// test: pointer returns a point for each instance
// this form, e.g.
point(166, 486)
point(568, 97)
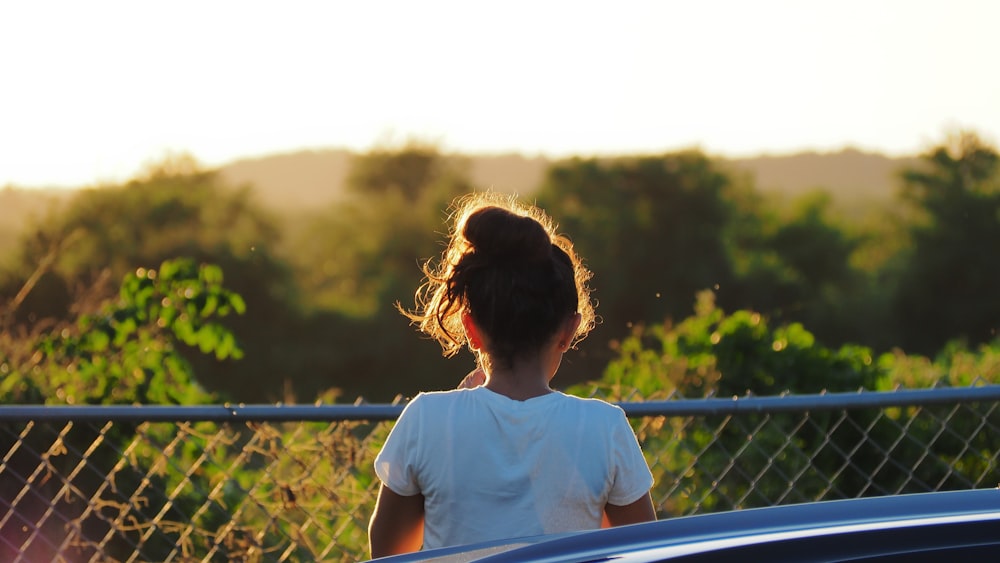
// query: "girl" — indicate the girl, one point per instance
point(505, 456)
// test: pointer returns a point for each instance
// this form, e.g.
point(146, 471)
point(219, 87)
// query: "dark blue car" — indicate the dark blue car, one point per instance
point(940, 527)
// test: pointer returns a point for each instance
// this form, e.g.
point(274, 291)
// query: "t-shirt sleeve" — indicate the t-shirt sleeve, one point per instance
point(396, 463)
point(632, 477)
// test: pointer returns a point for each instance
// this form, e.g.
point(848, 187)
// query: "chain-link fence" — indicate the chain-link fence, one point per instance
point(295, 483)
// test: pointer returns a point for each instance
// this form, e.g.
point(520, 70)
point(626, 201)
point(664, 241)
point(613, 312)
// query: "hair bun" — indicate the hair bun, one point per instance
point(498, 234)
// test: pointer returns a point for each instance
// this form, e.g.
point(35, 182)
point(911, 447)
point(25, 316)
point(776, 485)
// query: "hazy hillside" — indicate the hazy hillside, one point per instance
point(315, 178)
point(850, 175)
point(311, 178)
point(293, 180)
point(508, 173)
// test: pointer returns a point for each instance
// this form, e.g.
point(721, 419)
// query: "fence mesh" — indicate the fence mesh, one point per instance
point(252, 490)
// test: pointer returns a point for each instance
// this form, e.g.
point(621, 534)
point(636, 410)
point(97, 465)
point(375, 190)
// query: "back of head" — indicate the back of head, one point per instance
point(515, 276)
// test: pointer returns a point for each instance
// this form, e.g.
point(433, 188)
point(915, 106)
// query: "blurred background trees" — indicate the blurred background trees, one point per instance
point(949, 276)
point(653, 230)
point(320, 284)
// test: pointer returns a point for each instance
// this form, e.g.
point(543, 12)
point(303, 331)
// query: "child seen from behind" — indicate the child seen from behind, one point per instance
point(505, 456)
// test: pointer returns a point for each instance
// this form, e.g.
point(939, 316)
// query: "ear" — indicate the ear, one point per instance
point(472, 331)
point(569, 331)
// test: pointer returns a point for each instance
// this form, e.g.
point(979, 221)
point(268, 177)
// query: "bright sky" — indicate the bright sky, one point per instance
point(91, 91)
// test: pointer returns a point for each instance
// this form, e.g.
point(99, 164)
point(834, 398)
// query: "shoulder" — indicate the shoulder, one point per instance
point(591, 402)
point(426, 396)
point(442, 396)
point(435, 400)
point(594, 407)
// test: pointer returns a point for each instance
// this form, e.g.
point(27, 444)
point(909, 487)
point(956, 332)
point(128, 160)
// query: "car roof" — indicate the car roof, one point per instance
point(676, 537)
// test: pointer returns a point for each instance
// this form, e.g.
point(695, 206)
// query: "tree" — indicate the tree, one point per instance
point(360, 257)
point(174, 210)
point(716, 354)
point(652, 229)
point(123, 349)
point(796, 267)
point(363, 253)
point(726, 355)
point(126, 351)
point(948, 279)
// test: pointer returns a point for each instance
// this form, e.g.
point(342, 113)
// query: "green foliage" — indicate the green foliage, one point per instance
point(408, 171)
point(656, 230)
point(174, 209)
point(711, 353)
point(956, 366)
point(364, 253)
point(126, 352)
point(949, 276)
point(652, 229)
point(358, 258)
point(799, 266)
point(943, 436)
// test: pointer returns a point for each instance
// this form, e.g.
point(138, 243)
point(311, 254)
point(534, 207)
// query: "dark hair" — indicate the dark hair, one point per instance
point(515, 276)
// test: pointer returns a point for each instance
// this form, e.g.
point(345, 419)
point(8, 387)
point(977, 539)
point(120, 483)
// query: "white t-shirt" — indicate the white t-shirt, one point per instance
point(490, 467)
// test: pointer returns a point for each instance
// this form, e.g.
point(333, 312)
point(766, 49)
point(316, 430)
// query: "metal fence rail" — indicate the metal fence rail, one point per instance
point(295, 483)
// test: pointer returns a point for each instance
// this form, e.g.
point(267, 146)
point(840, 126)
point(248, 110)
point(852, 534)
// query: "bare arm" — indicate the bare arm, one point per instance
point(634, 513)
point(397, 525)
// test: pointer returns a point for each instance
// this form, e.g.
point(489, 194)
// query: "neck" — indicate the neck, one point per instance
point(525, 379)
